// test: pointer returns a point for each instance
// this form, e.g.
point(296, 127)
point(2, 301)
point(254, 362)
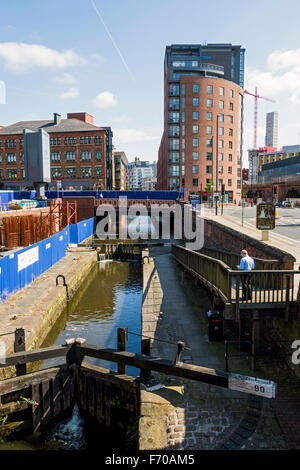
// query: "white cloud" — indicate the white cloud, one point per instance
point(65, 79)
point(126, 136)
point(69, 94)
point(105, 100)
point(18, 56)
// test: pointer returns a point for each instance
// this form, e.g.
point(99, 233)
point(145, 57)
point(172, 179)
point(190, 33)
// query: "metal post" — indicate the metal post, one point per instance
point(19, 346)
point(121, 346)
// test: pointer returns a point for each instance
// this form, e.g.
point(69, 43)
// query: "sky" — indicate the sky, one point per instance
point(106, 58)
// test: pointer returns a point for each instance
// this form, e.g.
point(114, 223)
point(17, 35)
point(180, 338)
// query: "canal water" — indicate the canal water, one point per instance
point(110, 297)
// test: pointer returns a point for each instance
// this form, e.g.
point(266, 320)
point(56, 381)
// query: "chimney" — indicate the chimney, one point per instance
point(57, 119)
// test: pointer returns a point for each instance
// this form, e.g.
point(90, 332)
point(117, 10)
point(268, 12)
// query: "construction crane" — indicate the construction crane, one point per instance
point(256, 96)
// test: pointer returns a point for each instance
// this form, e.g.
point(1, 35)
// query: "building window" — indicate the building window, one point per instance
point(97, 139)
point(231, 93)
point(174, 157)
point(195, 142)
point(183, 89)
point(230, 144)
point(1, 174)
point(220, 182)
point(238, 185)
point(209, 156)
point(98, 170)
point(11, 157)
point(0, 157)
point(231, 106)
point(174, 90)
point(23, 173)
point(195, 115)
point(55, 156)
point(229, 182)
point(209, 116)
point(86, 155)
point(221, 144)
point(221, 104)
point(174, 117)
point(71, 172)
point(231, 132)
point(195, 156)
point(221, 91)
point(12, 174)
point(195, 181)
point(230, 157)
point(22, 157)
point(209, 143)
point(220, 156)
point(208, 130)
point(55, 173)
point(55, 141)
point(70, 156)
point(195, 129)
point(195, 88)
point(230, 170)
point(195, 101)
point(183, 117)
point(174, 144)
point(221, 117)
point(10, 143)
point(221, 130)
point(98, 155)
point(209, 103)
point(195, 169)
point(230, 118)
point(174, 104)
point(209, 89)
point(174, 131)
point(220, 170)
point(86, 172)
point(208, 169)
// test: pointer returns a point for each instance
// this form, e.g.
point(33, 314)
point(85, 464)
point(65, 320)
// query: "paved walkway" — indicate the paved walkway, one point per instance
point(202, 416)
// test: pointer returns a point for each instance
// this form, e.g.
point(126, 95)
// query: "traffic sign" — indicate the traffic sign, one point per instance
point(242, 383)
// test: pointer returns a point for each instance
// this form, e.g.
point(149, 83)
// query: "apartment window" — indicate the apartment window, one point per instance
point(11, 157)
point(230, 144)
point(70, 156)
point(195, 181)
point(230, 118)
point(22, 157)
point(98, 171)
point(220, 182)
point(221, 130)
point(174, 90)
point(230, 157)
point(208, 169)
point(86, 155)
point(174, 103)
point(195, 169)
point(98, 155)
point(86, 172)
point(183, 144)
point(238, 185)
point(195, 156)
point(221, 117)
point(71, 172)
point(195, 142)
point(174, 117)
point(209, 89)
point(231, 93)
point(174, 170)
point(55, 172)
point(229, 182)
point(55, 156)
point(231, 132)
point(0, 157)
point(195, 88)
point(195, 101)
point(182, 117)
point(209, 103)
point(12, 174)
point(70, 140)
point(195, 129)
point(97, 139)
point(23, 173)
point(231, 106)
point(209, 156)
point(209, 143)
point(195, 115)
point(174, 131)
point(183, 89)
point(174, 157)
point(221, 91)
point(220, 157)
point(230, 170)
point(174, 144)
point(209, 116)
point(55, 141)
point(10, 143)
point(220, 170)
point(221, 144)
point(208, 130)
point(221, 104)
point(21, 143)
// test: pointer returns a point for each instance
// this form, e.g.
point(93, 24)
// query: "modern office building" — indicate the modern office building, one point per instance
point(286, 155)
point(80, 152)
point(253, 157)
point(271, 129)
point(137, 171)
point(119, 170)
point(203, 119)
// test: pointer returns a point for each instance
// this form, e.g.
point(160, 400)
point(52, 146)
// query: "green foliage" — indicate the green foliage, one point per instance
point(27, 400)
point(3, 420)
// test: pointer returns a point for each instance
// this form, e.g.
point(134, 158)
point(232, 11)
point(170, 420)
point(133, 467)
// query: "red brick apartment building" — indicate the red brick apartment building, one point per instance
point(80, 152)
point(203, 121)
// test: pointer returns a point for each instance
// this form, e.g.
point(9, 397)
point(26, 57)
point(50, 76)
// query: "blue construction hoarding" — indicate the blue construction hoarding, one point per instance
point(21, 267)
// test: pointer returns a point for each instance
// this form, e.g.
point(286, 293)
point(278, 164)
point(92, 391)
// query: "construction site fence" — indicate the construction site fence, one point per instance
point(21, 267)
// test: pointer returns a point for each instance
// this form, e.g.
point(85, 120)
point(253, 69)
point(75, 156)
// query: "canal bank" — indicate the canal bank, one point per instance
point(37, 306)
point(186, 414)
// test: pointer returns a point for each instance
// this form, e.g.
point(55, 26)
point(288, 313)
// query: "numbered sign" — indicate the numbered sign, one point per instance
point(241, 383)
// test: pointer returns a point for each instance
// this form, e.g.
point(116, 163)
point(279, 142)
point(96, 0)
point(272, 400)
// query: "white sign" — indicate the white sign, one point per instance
point(48, 246)
point(61, 237)
point(11, 256)
point(28, 257)
point(241, 383)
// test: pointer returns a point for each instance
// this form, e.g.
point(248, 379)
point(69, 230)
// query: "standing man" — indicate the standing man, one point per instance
point(246, 264)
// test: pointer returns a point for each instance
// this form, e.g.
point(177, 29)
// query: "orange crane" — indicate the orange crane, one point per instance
point(256, 96)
